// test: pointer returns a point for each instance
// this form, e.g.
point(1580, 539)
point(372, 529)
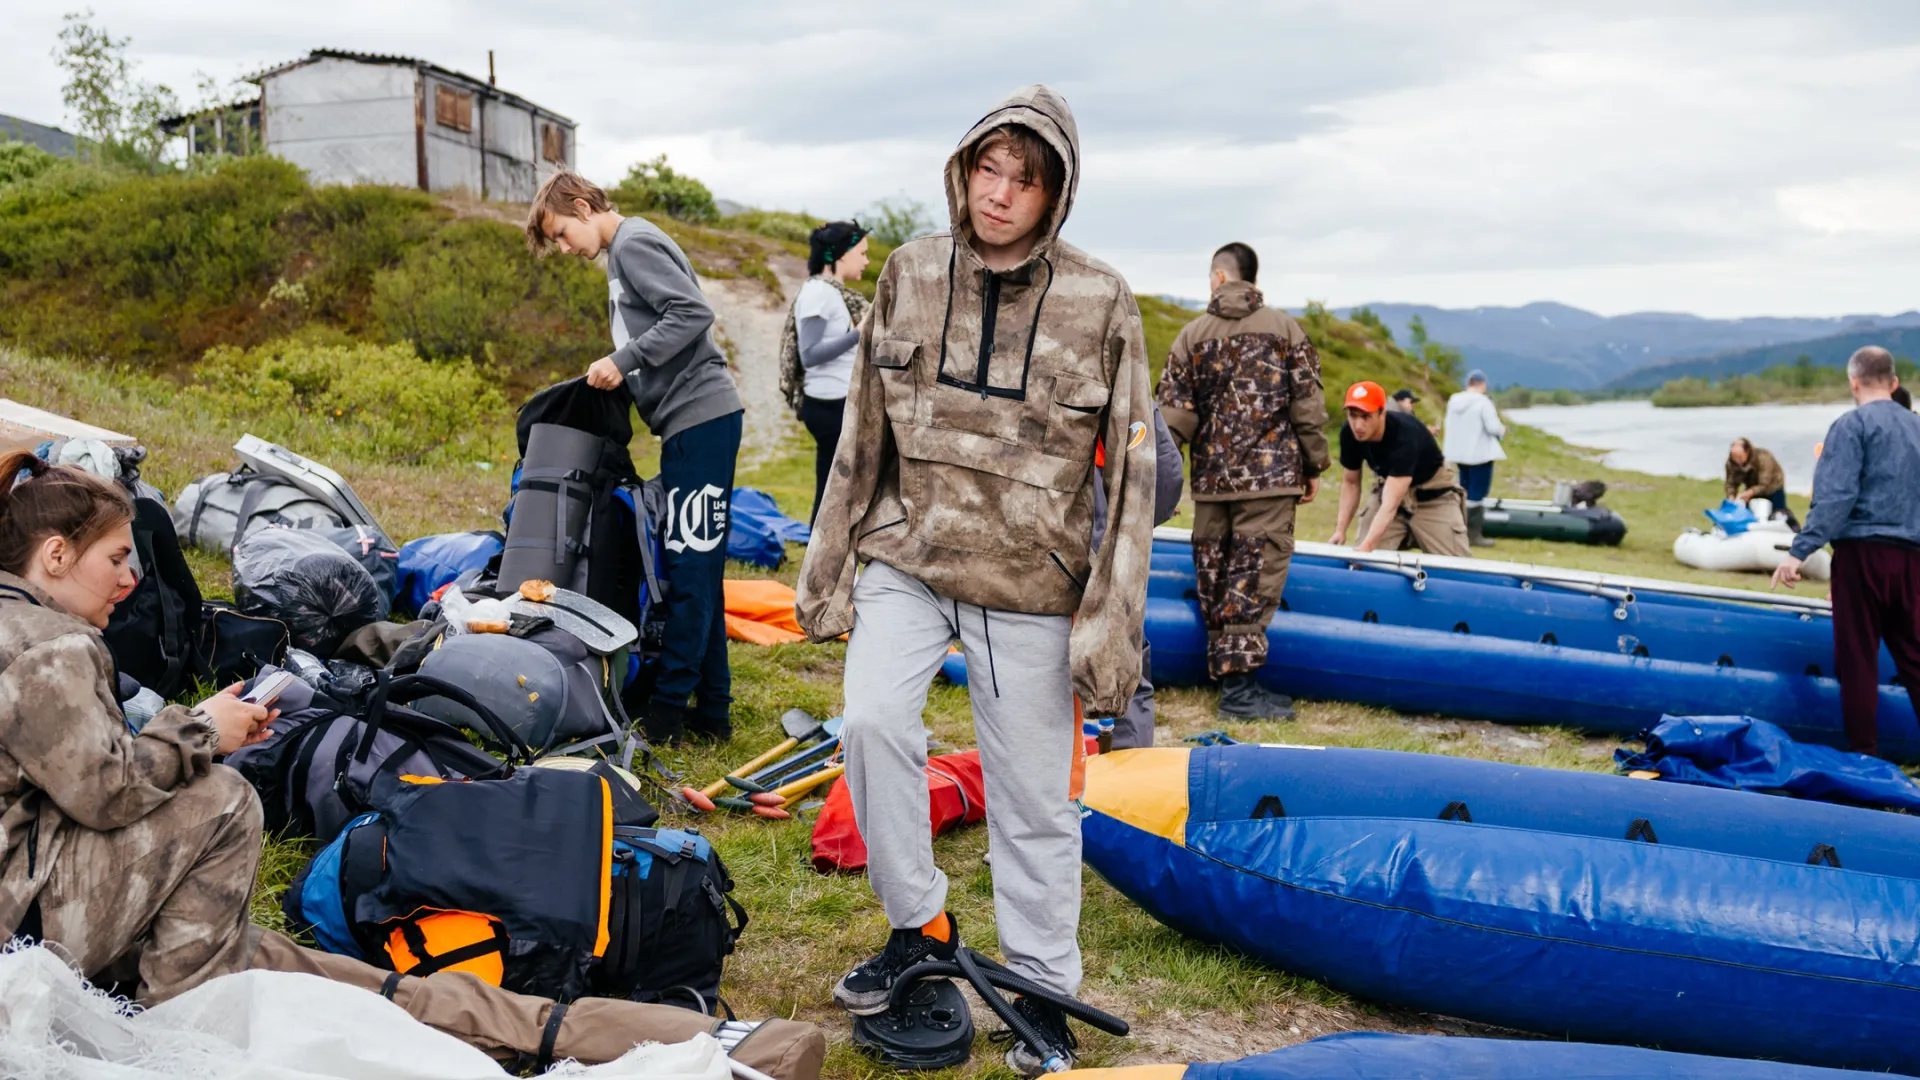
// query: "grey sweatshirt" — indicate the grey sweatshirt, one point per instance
point(1866, 485)
point(661, 333)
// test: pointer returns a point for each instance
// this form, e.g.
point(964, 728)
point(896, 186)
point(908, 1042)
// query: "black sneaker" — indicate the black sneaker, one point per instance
point(864, 990)
point(1045, 1018)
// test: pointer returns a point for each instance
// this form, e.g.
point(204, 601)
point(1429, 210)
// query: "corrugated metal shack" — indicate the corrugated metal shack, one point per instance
point(349, 117)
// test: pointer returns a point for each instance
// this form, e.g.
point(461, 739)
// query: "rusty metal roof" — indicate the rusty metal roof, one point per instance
point(412, 62)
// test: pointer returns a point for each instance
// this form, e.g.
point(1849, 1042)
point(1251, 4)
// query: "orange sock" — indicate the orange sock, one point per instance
point(940, 929)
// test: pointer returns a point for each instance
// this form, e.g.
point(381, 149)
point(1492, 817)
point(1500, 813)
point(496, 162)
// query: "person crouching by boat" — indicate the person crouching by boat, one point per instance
point(1754, 473)
point(1864, 502)
point(822, 334)
point(1474, 432)
point(1242, 389)
point(133, 855)
point(1415, 495)
point(995, 358)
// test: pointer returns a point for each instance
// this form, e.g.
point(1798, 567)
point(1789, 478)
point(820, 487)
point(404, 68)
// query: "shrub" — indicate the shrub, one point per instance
point(653, 185)
point(898, 220)
point(452, 296)
point(22, 161)
point(774, 224)
point(355, 401)
point(353, 233)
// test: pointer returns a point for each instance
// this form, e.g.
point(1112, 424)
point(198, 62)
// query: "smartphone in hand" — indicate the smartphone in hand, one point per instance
point(268, 690)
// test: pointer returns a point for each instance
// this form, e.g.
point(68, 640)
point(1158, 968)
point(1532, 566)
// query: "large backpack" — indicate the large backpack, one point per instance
point(556, 694)
point(216, 512)
point(316, 769)
point(528, 882)
point(590, 523)
point(154, 634)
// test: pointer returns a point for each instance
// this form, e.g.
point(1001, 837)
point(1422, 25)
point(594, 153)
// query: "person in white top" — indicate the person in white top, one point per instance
point(1473, 439)
point(827, 316)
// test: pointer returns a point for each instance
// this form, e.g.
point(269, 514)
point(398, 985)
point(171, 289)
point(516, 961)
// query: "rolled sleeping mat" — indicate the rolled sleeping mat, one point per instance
point(548, 533)
point(1573, 525)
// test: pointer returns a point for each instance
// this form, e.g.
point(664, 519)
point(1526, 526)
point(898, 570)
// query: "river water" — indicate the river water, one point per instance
point(1689, 442)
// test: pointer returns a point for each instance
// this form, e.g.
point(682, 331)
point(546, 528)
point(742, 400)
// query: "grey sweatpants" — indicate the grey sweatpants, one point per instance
point(1022, 692)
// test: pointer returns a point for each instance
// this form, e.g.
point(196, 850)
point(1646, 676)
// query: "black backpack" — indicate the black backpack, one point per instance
point(316, 769)
point(502, 879)
point(673, 921)
point(154, 634)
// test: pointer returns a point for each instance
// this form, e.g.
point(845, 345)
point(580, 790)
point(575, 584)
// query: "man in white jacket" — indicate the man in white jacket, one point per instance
point(1473, 439)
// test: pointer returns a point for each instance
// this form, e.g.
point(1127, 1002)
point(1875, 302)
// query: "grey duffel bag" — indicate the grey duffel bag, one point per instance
point(210, 511)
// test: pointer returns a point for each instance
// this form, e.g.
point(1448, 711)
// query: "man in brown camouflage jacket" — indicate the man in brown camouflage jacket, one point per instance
point(1242, 388)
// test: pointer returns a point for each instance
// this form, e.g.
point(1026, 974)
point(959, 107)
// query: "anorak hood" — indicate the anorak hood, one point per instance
point(1235, 300)
point(1040, 108)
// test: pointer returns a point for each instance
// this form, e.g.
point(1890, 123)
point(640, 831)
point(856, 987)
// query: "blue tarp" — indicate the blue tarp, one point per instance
point(1753, 755)
point(758, 532)
point(1368, 1055)
point(433, 561)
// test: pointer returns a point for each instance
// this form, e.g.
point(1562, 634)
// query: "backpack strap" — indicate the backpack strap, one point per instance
point(408, 688)
point(427, 963)
point(257, 487)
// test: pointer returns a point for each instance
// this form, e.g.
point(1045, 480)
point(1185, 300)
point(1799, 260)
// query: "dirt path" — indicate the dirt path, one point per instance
point(749, 318)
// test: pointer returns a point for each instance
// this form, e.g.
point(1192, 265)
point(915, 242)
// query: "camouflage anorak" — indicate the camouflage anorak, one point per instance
point(66, 754)
point(1242, 387)
point(967, 457)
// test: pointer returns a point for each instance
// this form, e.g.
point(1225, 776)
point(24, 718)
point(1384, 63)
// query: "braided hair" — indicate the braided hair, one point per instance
point(832, 241)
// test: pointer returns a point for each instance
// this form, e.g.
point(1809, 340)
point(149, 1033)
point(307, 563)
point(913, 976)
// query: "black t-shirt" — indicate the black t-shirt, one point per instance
point(1406, 449)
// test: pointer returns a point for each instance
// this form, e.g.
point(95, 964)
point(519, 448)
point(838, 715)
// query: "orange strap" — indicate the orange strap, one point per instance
point(1078, 784)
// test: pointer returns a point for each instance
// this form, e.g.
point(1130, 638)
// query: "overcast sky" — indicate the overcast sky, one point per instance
point(1747, 157)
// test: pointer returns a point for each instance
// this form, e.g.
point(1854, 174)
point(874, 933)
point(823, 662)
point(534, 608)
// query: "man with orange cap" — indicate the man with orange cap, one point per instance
point(1415, 493)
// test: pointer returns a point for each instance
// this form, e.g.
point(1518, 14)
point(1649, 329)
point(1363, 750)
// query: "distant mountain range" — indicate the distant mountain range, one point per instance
point(1824, 352)
point(1548, 345)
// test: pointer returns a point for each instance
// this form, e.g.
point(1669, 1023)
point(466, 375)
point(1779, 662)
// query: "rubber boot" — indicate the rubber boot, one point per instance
point(1477, 527)
point(1244, 699)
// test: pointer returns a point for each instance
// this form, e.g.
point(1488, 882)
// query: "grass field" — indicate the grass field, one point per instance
point(1186, 1001)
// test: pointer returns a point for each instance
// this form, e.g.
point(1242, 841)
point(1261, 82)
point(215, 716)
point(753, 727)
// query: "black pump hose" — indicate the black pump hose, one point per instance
point(1042, 1049)
point(992, 973)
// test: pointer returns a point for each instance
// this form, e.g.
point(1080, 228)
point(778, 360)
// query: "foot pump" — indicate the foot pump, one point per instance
point(928, 1025)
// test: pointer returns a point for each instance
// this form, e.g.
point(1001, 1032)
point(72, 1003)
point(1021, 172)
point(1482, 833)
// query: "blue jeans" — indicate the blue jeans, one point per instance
point(1477, 479)
point(696, 468)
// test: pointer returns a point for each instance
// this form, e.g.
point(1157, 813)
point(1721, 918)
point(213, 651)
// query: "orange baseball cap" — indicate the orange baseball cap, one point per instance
point(1366, 396)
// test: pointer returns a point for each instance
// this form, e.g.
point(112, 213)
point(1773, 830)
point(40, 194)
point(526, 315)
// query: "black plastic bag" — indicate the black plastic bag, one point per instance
point(309, 583)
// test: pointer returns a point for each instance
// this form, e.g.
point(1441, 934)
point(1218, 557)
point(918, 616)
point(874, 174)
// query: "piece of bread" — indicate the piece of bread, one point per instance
point(487, 626)
point(537, 591)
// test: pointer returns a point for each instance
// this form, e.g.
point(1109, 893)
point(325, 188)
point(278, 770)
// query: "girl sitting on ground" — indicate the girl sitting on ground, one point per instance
point(133, 855)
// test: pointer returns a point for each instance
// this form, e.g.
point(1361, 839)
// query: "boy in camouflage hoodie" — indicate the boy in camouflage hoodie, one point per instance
point(996, 358)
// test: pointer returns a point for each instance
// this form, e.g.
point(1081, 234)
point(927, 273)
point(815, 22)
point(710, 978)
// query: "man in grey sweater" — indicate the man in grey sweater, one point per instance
point(665, 355)
point(1866, 501)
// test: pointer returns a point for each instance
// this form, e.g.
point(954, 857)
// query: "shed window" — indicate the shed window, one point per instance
point(452, 108)
point(553, 144)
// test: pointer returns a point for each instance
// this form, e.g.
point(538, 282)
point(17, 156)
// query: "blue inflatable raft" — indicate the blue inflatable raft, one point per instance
point(1529, 645)
point(1577, 905)
point(1375, 1056)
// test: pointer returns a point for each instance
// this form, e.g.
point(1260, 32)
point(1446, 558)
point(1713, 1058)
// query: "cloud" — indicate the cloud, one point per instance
point(1725, 156)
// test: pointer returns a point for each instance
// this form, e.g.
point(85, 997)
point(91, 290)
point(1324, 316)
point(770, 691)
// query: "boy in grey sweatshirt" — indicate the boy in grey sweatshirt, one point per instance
point(665, 356)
